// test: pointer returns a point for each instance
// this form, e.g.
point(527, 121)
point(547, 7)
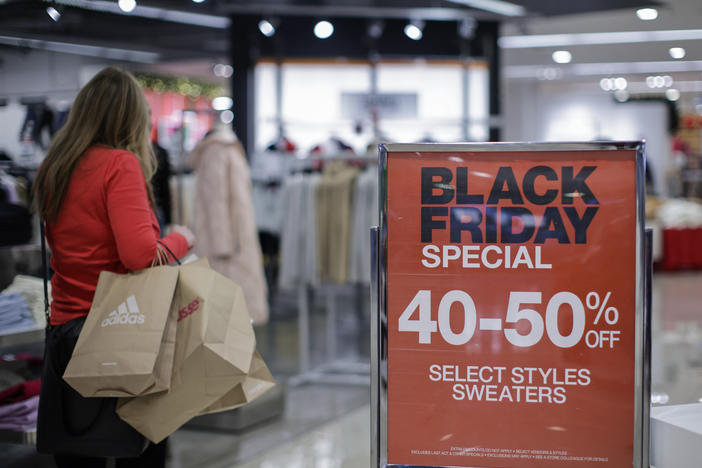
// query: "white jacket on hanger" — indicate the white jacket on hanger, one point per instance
point(225, 228)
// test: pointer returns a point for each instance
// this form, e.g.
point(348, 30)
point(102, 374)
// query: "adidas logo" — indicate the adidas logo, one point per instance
point(126, 313)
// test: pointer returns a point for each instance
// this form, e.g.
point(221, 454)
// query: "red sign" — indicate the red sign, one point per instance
point(511, 302)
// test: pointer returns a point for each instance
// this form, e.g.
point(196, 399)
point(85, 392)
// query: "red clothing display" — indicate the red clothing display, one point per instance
point(105, 224)
point(20, 392)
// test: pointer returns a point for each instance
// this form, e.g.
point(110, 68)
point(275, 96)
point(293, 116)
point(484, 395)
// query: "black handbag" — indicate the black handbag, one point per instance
point(68, 423)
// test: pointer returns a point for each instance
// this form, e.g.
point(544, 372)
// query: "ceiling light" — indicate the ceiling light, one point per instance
point(127, 5)
point(198, 1)
point(562, 56)
point(266, 28)
point(647, 14)
point(161, 14)
point(494, 6)
point(221, 103)
point(621, 95)
point(672, 94)
point(677, 52)
point(323, 29)
point(606, 84)
point(414, 30)
point(667, 81)
point(53, 13)
point(82, 49)
point(651, 81)
point(622, 37)
point(226, 117)
point(620, 83)
point(224, 71)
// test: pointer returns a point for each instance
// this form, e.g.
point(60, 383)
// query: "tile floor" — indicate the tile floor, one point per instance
point(327, 426)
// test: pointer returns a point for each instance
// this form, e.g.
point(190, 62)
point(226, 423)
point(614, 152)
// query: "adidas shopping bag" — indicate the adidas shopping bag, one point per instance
point(215, 346)
point(127, 343)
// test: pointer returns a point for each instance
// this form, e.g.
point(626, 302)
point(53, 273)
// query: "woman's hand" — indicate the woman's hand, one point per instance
point(185, 232)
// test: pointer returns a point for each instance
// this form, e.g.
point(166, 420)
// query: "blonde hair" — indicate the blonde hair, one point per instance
point(110, 111)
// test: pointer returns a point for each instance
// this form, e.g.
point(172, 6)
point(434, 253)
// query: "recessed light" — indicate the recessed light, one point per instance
point(672, 94)
point(266, 28)
point(127, 6)
point(677, 52)
point(647, 14)
point(621, 95)
point(221, 103)
point(562, 56)
point(226, 117)
point(620, 83)
point(53, 13)
point(323, 29)
point(413, 32)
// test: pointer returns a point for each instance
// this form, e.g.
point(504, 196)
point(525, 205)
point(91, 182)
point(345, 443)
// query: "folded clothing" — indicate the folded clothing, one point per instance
point(32, 290)
point(14, 313)
point(20, 416)
point(20, 392)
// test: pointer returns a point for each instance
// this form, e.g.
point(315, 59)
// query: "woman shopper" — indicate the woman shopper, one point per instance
point(94, 195)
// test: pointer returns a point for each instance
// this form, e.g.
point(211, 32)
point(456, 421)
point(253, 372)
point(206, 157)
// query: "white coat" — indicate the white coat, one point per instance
point(225, 227)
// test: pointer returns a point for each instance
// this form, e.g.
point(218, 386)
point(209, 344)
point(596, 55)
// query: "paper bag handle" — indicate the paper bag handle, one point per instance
point(161, 257)
point(164, 246)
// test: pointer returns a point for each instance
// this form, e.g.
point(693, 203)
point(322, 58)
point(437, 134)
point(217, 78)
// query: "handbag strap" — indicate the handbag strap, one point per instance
point(45, 274)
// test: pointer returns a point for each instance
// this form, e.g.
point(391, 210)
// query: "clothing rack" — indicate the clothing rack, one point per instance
point(334, 370)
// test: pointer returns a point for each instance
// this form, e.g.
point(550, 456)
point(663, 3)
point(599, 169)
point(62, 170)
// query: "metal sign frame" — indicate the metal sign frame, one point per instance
point(379, 290)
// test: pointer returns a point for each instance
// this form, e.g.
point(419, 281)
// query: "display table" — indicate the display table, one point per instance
point(676, 436)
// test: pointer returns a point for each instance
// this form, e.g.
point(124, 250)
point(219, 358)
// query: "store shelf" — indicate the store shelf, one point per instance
point(32, 334)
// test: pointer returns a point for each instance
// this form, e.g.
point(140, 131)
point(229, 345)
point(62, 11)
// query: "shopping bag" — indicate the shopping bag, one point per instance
point(127, 344)
point(215, 346)
point(258, 381)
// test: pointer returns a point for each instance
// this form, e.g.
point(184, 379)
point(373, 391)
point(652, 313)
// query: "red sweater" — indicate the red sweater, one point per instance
point(105, 223)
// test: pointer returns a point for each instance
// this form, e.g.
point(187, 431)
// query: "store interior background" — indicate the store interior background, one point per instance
point(476, 75)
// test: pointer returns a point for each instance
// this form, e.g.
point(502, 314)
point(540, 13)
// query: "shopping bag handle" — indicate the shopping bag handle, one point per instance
point(161, 244)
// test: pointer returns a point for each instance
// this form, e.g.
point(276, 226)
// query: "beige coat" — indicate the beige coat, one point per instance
point(225, 228)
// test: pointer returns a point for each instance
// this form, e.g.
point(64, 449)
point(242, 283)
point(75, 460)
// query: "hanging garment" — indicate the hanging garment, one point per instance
point(364, 215)
point(225, 227)
point(268, 206)
point(334, 195)
point(298, 252)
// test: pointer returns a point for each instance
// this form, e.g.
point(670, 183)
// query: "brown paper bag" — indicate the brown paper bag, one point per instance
point(215, 344)
point(257, 382)
point(126, 346)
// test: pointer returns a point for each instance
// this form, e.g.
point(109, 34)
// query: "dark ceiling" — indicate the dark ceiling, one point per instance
point(25, 23)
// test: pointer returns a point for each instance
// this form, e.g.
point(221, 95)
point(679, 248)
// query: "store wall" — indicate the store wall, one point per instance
point(53, 76)
point(561, 111)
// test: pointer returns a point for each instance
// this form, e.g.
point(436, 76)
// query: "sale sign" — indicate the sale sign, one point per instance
point(511, 308)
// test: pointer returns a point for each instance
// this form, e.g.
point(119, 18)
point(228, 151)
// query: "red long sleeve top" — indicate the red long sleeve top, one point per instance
point(105, 223)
